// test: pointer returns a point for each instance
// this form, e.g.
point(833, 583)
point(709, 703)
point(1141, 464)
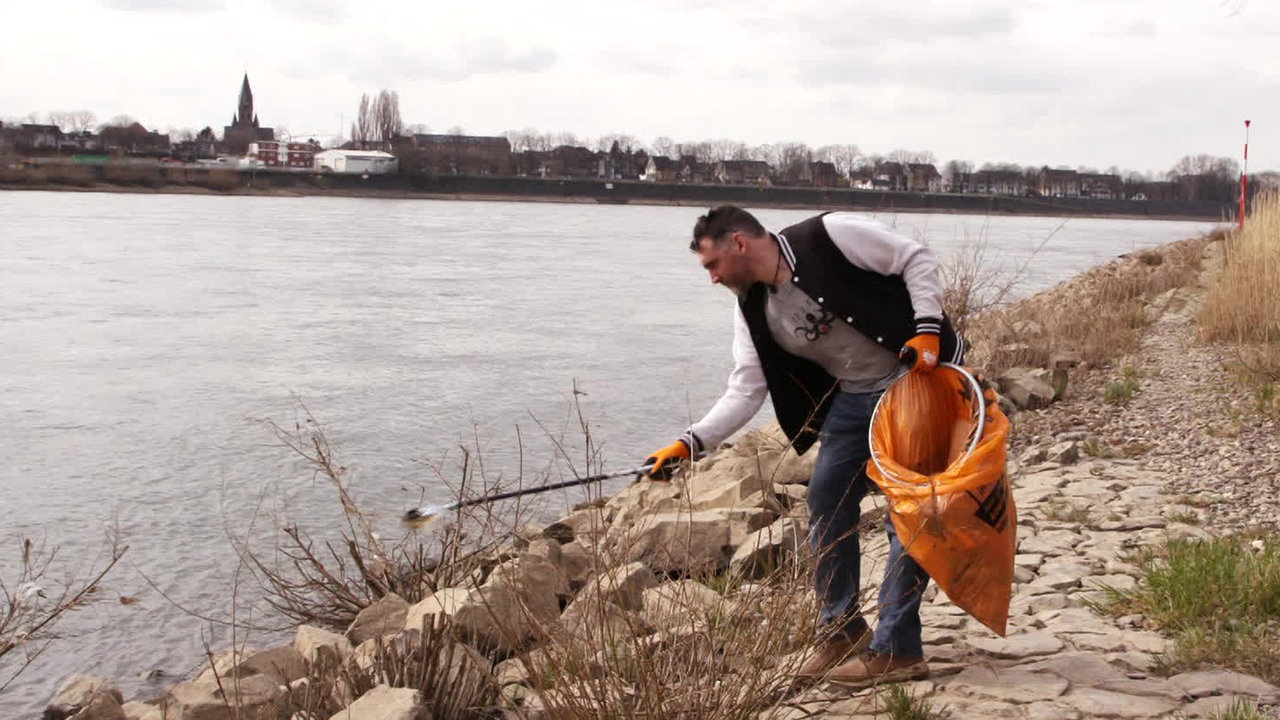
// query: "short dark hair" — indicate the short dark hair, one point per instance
point(720, 221)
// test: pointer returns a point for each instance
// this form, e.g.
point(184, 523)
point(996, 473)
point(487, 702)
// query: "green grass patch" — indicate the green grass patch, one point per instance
point(1266, 398)
point(901, 703)
point(1121, 391)
point(1186, 517)
point(1218, 599)
point(1062, 511)
point(1240, 710)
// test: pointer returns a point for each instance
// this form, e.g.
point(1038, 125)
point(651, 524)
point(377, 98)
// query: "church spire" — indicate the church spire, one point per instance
point(246, 102)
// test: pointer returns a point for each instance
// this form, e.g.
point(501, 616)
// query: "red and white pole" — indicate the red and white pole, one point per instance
point(1244, 174)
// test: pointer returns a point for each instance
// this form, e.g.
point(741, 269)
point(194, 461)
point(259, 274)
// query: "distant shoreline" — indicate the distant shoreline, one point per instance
point(193, 181)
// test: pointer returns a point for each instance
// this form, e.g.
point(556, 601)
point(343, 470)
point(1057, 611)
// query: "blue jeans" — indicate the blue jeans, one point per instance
point(837, 487)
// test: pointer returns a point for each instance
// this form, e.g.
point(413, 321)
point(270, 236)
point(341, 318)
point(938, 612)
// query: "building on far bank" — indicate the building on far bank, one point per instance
point(277, 154)
point(435, 154)
point(358, 162)
point(244, 127)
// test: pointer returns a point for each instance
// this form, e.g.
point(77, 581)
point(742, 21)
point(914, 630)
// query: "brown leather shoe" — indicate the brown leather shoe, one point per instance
point(831, 653)
point(873, 668)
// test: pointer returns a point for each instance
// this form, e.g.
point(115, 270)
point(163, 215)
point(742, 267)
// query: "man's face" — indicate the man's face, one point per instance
point(726, 261)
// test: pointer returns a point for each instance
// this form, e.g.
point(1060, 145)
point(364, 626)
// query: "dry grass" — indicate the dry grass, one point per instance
point(327, 582)
point(716, 645)
point(1241, 307)
point(1094, 318)
point(705, 656)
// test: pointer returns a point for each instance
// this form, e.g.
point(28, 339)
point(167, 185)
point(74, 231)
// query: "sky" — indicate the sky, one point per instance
point(1130, 83)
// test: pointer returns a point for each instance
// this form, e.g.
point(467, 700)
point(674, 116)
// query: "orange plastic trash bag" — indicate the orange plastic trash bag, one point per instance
point(938, 453)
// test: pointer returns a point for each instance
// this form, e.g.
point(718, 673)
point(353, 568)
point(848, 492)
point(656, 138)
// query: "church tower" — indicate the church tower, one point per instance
point(245, 116)
point(244, 127)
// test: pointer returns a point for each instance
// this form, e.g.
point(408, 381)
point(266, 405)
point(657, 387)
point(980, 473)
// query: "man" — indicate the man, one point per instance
point(828, 311)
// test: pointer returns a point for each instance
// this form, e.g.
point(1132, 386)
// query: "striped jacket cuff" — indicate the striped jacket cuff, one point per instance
point(928, 326)
point(693, 443)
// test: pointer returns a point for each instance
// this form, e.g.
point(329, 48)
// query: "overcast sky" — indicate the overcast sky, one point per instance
point(1133, 83)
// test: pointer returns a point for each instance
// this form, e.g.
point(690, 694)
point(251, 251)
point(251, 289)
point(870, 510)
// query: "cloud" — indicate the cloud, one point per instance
point(319, 11)
point(945, 75)
point(165, 6)
point(484, 56)
point(1140, 28)
point(880, 25)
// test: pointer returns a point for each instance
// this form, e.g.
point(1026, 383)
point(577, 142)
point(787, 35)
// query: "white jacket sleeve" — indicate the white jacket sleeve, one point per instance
point(872, 245)
point(741, 400)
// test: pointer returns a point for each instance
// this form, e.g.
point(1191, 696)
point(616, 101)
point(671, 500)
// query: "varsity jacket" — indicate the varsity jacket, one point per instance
point(882, 284)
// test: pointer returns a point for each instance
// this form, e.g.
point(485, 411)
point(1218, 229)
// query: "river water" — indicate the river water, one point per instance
point(146, 341)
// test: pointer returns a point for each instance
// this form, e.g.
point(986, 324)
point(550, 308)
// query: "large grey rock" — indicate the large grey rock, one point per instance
point(1027, 391)
point(623, 586)
point(1018, 647)
point(767, 549)
point(576, 564)
point(516, 604)
point(676, 604)
point(596, 621)
point(142, 711)
point(385, 703)
point(1055, 378)
point(284, 663)
point(1097, 703)
point(1063, 453)
point(76, 693)
point(1011, 684)
point(101, 707)
point(384, 617)
point(317, 645)
point(698, 543)
point(1082, 669)
point(249, 698)
point(1203, 683)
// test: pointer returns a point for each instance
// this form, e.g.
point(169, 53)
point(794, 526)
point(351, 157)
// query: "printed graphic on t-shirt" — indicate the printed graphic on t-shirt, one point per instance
point(816, 326)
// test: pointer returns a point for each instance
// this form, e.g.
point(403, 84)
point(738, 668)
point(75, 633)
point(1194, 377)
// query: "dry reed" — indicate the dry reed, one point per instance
point(1242, 307)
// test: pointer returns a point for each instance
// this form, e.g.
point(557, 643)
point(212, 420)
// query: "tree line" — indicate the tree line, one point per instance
point(378, 124)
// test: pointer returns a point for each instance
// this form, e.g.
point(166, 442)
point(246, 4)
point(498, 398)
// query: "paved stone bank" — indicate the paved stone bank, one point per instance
point(1061, 660)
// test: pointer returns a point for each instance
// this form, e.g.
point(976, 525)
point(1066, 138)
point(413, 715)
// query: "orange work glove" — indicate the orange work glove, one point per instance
point(665, 461)
point(921, 352)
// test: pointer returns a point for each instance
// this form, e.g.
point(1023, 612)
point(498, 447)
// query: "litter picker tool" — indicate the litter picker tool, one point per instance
point(420, 516)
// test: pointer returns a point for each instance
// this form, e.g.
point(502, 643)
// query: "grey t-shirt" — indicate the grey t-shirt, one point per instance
point(804, 328)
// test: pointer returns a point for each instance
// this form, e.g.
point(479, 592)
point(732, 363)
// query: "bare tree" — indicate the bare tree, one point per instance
point(564, 138)
point(624, 142)
point(386, 118)
point(702, 151)
point(726, 149)
point(455, 130)
point(954, 172)
point(119, 121)
point(794, 158)
point(61, 119)
point(1001, 167)
point(769, 153)
point(842, 156)
point(664, 146)
point(868, 163)
point(1205, 177)
point(416, 129)
point(82, 120)
point(362, 128)
point(907, 157)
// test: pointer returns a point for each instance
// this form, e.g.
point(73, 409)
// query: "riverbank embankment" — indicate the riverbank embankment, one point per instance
point(186, 179)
